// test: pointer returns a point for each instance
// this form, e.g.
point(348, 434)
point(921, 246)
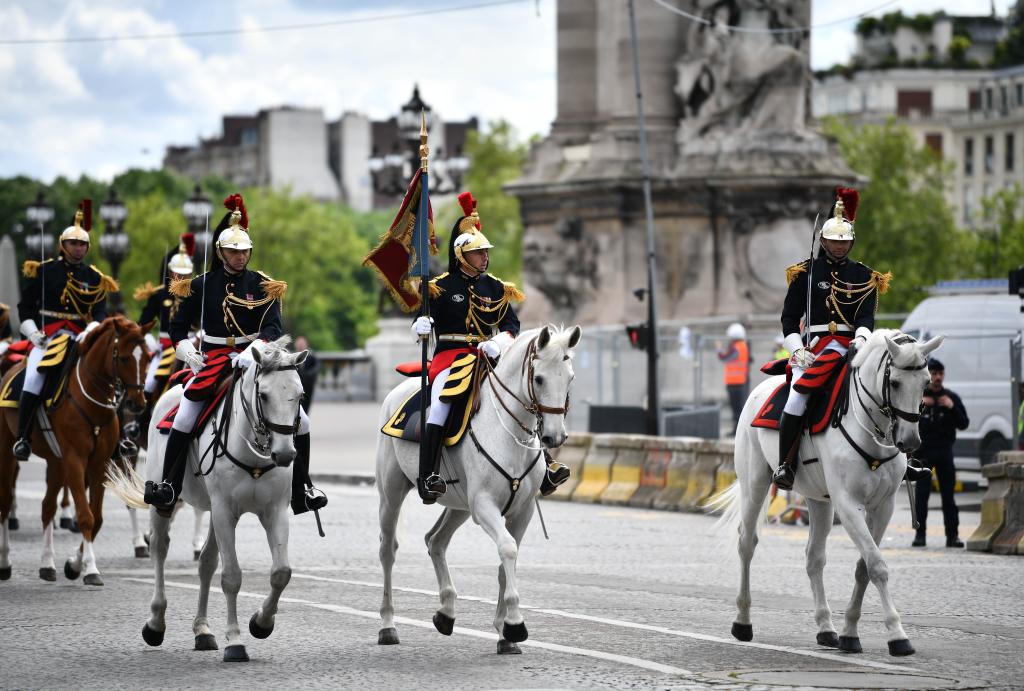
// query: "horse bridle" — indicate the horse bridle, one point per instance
point(533, 406)
point(885, 406)
point(117, 385)
point(256, 418)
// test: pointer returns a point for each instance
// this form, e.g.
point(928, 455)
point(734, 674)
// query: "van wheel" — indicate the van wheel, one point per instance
point(992, 444)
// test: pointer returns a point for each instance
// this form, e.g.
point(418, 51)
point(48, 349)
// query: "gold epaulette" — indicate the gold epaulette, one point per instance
point(881, 281)
point(107, 283)
point(436, 290)
point(273, 289)
point(795, 270)
point(147, 290)
point(181, 287)
point(511, 291)
point(30, 269)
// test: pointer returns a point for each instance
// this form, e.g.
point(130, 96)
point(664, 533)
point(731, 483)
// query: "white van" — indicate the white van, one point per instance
point(980, 321)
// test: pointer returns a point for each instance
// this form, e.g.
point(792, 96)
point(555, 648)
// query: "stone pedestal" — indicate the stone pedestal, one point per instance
point(392, 346)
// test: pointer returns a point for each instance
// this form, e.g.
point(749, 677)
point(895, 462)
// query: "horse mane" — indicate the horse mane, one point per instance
point(274, 354)
point(875, 341)
point(118, 323)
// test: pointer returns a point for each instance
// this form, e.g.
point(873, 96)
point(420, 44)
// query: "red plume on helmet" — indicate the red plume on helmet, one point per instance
point(851, 198)
point(189, 240)
point(235, 202)
point(85, 206)
point(468, 205)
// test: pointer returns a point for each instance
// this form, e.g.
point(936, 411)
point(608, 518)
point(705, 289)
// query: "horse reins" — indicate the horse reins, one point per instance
point(533, 406)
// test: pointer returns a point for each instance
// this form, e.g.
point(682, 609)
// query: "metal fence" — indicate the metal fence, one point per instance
point(345, 376)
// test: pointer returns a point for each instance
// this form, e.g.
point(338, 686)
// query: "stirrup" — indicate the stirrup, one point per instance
point(431, 488)
point(22, 449)
point(555, 475)
point(784, 477)
point(160, 495)
point(315, 498)
point(916, 472)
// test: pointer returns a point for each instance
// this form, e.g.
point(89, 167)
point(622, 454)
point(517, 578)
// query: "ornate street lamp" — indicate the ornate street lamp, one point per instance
point(409, 124)
point(114, 242)
point(39, 213)
point(196, 210)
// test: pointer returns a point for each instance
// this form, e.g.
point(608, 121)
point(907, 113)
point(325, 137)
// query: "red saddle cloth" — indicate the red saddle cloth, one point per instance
point(824, 381)
point(211, 404)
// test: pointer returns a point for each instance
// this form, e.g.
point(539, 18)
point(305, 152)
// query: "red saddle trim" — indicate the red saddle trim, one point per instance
point(412, 369)
point(168, 420)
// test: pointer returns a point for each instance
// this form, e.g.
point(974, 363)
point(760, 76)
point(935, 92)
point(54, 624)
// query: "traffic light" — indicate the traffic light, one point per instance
point(637, 334)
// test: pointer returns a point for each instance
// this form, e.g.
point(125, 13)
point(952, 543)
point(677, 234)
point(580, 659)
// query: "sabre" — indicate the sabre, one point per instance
point(202, 305)
point(810, 283)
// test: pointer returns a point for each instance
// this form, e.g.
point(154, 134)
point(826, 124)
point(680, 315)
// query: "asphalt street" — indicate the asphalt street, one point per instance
point(617, 598)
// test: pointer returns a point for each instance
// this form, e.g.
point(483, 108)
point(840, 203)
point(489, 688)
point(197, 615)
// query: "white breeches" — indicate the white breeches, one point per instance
point(188, 413)
point(154, 365)
point(34, 379)
point(796, 404)
point(438, 409)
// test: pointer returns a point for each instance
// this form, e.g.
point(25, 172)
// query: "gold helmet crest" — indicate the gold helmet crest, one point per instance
point(840, 225)
point(82, 224)
point(466, 235)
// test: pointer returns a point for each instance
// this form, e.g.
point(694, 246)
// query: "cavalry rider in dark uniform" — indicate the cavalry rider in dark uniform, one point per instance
point(162, 304)
point(61, 295)
point(470, 310)
point(242, 311)
point(844, 298)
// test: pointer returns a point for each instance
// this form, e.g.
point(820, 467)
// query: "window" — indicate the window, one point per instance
point(1008, 151)
point(1004, 100)
point(968, 204)
point(933, 140)
point(1020, 94)
point(968, 156)
point(990, 146)
point(988, 98)
point(914, 102)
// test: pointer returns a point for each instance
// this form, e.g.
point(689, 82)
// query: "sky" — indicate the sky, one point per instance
point(99, 108)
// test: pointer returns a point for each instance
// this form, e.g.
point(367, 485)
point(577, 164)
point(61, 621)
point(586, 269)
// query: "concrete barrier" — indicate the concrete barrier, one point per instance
point(677, 478)
point(725, 474)
point(572, 453)
point(992, 506)
point(701, 483)
point(1010, 539)
point(597, 469)
point(625, 476)
point(654, 474)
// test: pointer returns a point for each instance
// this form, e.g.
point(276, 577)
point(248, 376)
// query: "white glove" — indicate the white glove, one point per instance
point(188, 354)
point(152, 344)
point(245, 359)
point(422, 326)
point(802, 358)
point(33, 333)
point(4, 345)
point(491, 349)
point(85, 332)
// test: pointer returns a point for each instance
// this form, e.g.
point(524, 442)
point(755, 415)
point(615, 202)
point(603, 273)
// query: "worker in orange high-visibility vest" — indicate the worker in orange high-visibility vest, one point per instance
point(736, 369)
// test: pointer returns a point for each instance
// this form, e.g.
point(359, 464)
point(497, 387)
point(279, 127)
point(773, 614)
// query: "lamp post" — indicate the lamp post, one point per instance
point(196, 210)
point(39, 213)
point(114, 241)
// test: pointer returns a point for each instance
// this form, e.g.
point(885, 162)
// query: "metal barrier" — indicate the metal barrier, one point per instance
point(345, 376)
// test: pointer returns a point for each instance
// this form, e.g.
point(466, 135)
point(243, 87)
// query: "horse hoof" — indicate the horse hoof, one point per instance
point(515, 633)
point(850, 644)
point(13, 523)
point(5, 573)
point(388, 636)
point(235, 653)
point(92, 579)
point(508, 648)
point(70, 572)
point(258, 631)
point(47, 573)
point(142, 552)
point(195, 554)
point(444, 624)
point(151, 635)
point(743, 632)
point(828, 639)
point(65, 523)
point(206, 641)
point(901, 648)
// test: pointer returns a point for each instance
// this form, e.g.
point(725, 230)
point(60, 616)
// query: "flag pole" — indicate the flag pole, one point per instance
point(423, 269)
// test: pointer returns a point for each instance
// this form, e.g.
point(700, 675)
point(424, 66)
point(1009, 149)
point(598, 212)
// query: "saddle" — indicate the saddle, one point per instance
point(824, 381)
point(204, 416)
point(461, 390)
point(60, 357)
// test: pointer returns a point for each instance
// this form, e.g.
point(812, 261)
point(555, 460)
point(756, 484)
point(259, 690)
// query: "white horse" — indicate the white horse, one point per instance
point(493, 474)
point(251, 475)
point(887, 376)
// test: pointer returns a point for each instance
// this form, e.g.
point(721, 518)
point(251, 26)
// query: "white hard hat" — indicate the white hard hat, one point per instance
point(736, 332)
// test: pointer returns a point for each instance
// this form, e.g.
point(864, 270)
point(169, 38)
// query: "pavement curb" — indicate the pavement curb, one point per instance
point(357, 479)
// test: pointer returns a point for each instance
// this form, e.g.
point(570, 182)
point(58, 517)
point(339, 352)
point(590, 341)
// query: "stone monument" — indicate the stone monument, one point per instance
point(738, 171)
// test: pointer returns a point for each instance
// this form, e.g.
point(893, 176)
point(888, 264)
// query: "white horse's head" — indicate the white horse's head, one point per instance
point(546, 367)
point(894, 370)
point(275, 389)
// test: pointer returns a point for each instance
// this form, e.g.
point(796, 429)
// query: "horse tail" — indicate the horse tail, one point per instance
point(729, 502)
point(127, 484)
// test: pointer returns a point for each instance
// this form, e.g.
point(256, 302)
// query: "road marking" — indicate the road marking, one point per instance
point(649, 665)
point(831, 657)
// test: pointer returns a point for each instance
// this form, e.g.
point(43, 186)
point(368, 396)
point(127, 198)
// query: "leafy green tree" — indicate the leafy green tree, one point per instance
point(904, 224)
point(998, 245)
point(1010, 50)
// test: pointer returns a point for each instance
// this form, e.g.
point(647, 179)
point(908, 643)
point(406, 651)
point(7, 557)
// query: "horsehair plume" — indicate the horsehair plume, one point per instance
point(467, 203)
point(126, 484)
point(189, 241)
point(851, 198)
point(234, 202)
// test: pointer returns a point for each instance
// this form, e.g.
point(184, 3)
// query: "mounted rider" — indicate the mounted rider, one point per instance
point(843, 301)
point(60, 298)
point(237, 310)
point(470, 312)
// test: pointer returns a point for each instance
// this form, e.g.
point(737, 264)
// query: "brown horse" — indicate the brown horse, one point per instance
point(112, 363)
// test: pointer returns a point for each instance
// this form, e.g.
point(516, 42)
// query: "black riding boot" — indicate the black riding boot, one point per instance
point(27, 407)
point(163, 495)
point(429, 484)
point(917, 472)
point(790, 429)
point(305, 497)
point(556, 474)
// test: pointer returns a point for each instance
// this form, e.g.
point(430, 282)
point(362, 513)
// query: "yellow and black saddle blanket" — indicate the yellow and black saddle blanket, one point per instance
point(461, 390)
point(58, 360)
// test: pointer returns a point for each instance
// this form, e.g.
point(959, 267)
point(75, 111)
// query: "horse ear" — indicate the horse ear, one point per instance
point(145, 329)
point(544, 338)
point(930, 345)
point(574, 336)
point(300, 357)
point(257, 356)
point(894, 350)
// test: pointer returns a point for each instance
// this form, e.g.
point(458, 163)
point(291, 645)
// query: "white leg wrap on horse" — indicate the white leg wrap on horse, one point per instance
point(33, 377)
point(438, 408)
point(303, 422)
point(188, 413)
